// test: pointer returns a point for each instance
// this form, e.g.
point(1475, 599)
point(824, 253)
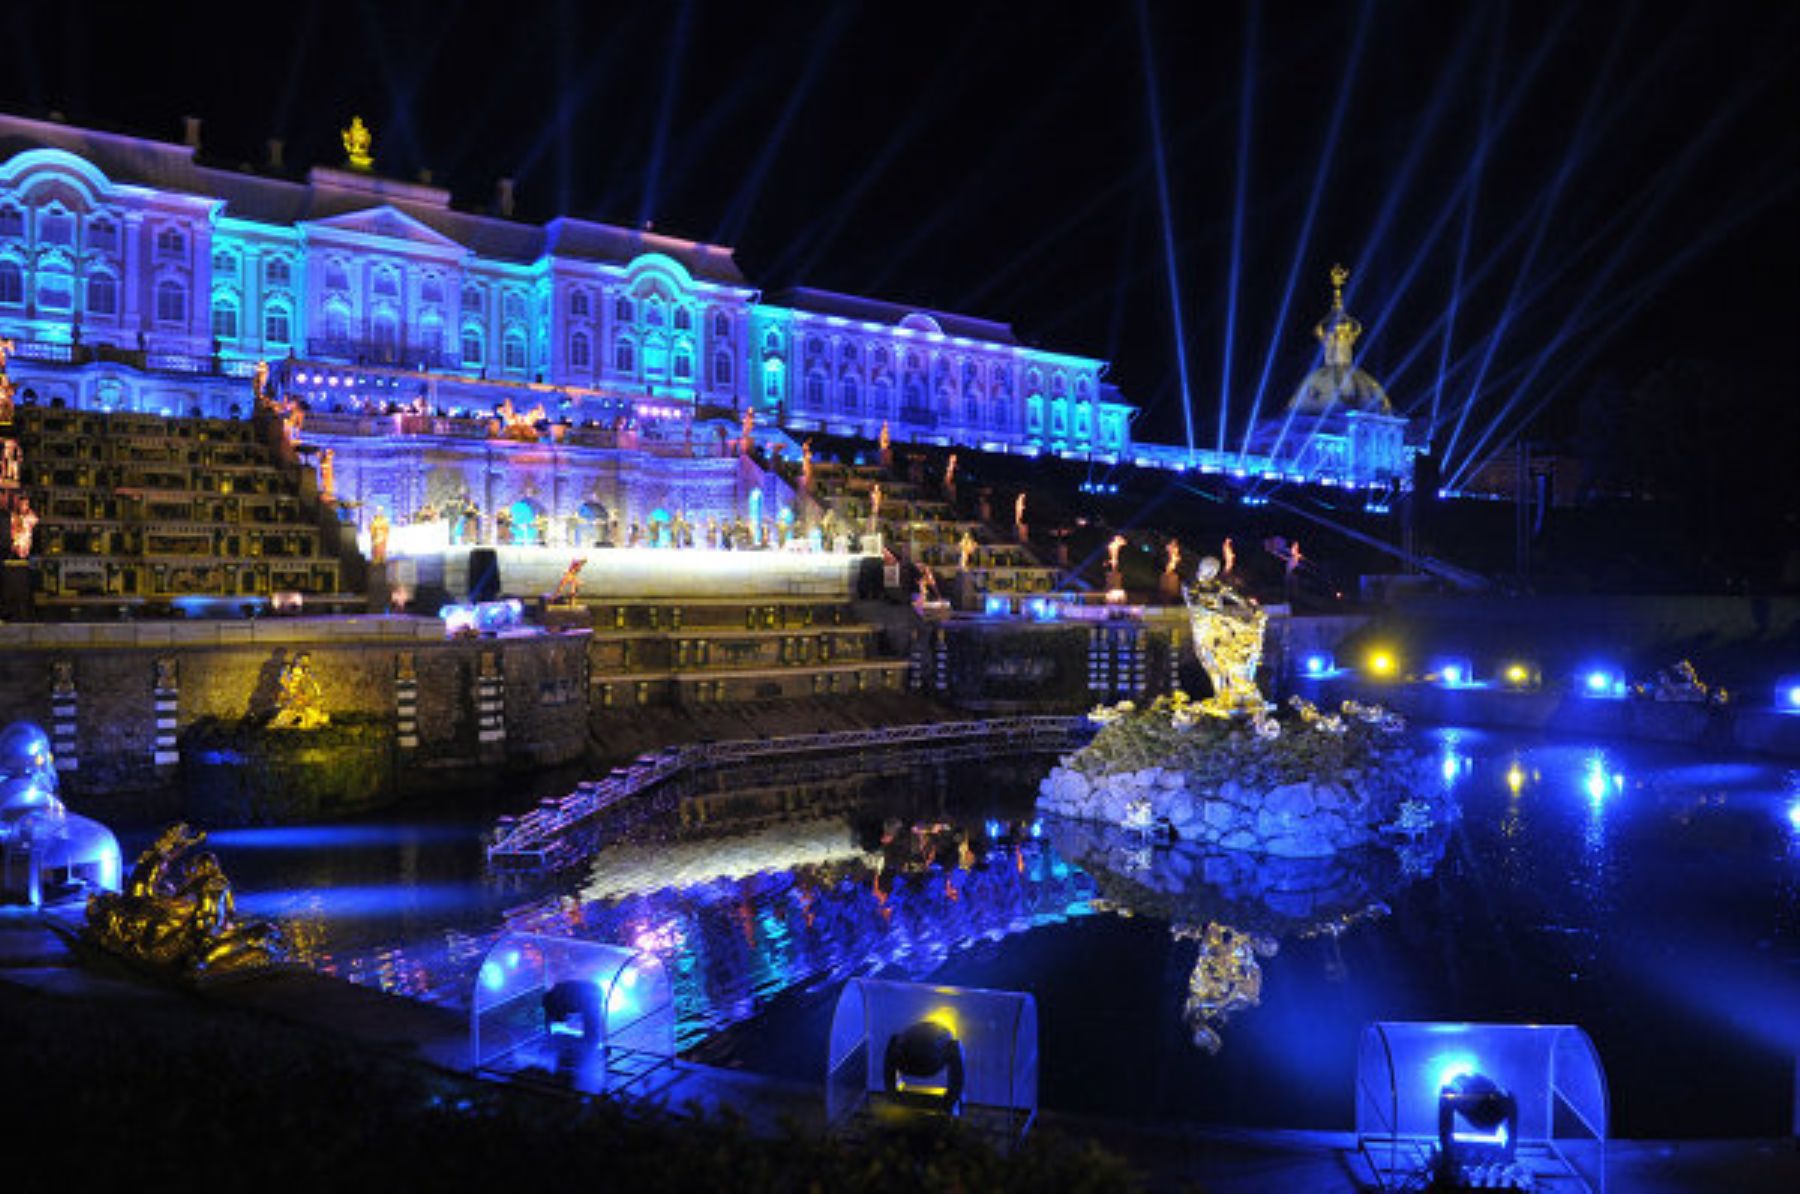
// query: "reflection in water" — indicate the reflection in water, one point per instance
point(1226, 978)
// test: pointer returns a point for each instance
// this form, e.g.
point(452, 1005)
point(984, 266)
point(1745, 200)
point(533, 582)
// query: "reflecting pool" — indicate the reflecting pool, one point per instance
point(1651, 896)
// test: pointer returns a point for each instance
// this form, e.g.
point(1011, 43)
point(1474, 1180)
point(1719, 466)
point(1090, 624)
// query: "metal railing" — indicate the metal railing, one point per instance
point(535, 840)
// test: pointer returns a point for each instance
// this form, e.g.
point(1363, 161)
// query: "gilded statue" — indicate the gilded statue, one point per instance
point(7, 388)
point(299, 703)
point(24, 526)
point(1228, 640)
point(358, 141)
point(178, 911)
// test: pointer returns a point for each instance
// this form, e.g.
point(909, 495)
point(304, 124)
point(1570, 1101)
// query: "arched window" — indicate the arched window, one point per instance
point(772, 381)
point(815, 391)
point(337, 277)
point(884, 395)
point(1084, 420)
point(103, 236)
point(622, 309)
point(472, 346)
point(684, 321)
point(224, 317)
point(386, 331)
point(471, 298)
point(337, 322)
point(1059, 417)
point(625, 357)
point(431, 290)
point(512, 350)
point(12, 221)
point(387, 283)
point(848, 391)
point(653, 312)
point(102, 294)
point(512, 306)
point(578, 304)
point(225, 264)
point(656, 358)
point(721, 368)
point(431, 333)
point(55, 286)
point(278, 327)
point(771, 342)
point(278, 271)
point(578, 351)
point(171, 301)
point(684, 363)
point(1034, 414)
point(721, 326)
point(170, 242)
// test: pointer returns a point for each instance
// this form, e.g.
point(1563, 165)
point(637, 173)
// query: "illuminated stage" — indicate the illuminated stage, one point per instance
point(638, 572)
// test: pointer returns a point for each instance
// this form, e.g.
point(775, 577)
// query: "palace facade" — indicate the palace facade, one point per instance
point(134, 276)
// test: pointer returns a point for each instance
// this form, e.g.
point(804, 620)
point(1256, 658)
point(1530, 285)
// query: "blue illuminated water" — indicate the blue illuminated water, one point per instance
point(1650, 895)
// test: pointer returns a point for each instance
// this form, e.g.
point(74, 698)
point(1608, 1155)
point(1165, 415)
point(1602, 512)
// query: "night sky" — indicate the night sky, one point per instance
point(1613, 183)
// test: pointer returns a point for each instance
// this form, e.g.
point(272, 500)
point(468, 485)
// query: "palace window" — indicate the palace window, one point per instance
point(337, 322)
point(622, 309)
point(721, 368)
point(102, 294)
point(771, 342)
point(471, 298)
point(1034, 414)
point(847, 388)
point(431, 290)
point(171, 301)
point(578, 304)
point(12, 282)
point(772, 381)
point(103, 236)
point(12, 222)
point(431, 333)
point(336, 276)
point(684, 363)
point(224, 264)
point(721, 326)
point(55, 288)
point(684, 320)
point(387, 283)
point(653, 312)
point(656, 358)
point(171, 243)
point(471, 346)
point(387, 331)
point(277, 326)
point(56, 228)
point(884, 395)
point(625, 357)
point(815, 391)
point(278, 271)
point(224, 318)
point(512, 350)
point(512, 307)
point(578, 351)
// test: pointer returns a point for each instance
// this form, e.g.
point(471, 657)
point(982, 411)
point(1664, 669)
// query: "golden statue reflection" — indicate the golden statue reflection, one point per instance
point(1227, 978)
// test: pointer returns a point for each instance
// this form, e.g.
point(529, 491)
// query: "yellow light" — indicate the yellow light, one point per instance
point(944, 1018)
point(1515, 778)
point(1381, 663)
point(1516, 674)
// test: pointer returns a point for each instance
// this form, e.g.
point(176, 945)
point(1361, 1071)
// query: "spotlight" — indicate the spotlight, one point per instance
point(1455, 672)
point(1603, 682)
point(1318, 663)
point(1520, 675)
point(572, 1008)
point(1477, 1126)
point(923, 1066)
point(1787, 694)
point(1383, 664)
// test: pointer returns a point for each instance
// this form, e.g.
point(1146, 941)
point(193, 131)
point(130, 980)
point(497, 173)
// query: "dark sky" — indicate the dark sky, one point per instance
point(1615, 183)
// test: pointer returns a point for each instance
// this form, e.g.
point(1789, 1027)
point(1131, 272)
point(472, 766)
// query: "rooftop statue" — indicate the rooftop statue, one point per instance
point(177, 911)
point(358, 140)
point(1228, 641)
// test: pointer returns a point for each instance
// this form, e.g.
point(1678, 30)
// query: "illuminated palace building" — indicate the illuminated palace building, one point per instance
point(135, 278)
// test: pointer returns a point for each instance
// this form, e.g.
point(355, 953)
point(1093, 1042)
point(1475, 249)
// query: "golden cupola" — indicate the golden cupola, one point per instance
point(1337, 385)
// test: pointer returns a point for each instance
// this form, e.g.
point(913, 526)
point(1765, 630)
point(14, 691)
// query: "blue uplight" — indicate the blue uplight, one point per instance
point(1447, 1068)
point(1317, 664)
point(1787, 694)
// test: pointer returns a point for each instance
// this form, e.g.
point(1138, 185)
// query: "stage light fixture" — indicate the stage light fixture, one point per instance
point(1478, 1127)
point(923, 1066)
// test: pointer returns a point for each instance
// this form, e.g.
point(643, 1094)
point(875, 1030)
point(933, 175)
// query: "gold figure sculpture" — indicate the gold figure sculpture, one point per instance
point(1228, 640)
point(7, 387)
point(358, 141)
point(299, 701)
point(177, 911)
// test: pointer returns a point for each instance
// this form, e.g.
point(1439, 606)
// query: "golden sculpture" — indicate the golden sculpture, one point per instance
point(1174, 550)
point(966, 548)
point(328, 475)
point(177, 910)
point(358, 140)
point(299, 703)
point(7, 388)
point(1228, 640)
point(1113, 548)
point(24, 526)
point(568, 589)
point(379, 528)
